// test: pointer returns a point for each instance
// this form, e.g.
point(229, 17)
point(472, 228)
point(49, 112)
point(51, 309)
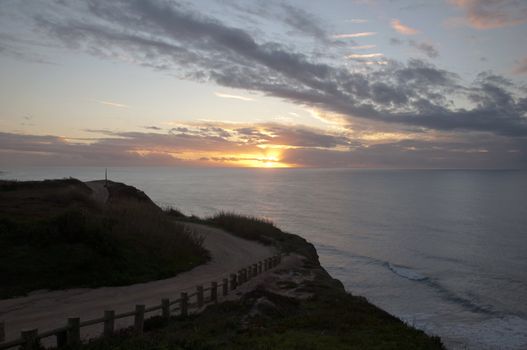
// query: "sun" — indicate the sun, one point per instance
point(268, 160)
point(274, 164)
point(271, 160)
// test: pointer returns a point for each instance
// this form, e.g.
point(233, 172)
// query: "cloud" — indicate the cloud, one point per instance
point(356, 20)
point(21, 50)
point(303, 21)
point(187, 143)
point(426, 48)
point(490, 14)
point(112, 104)
point(521, 67)
point(173, 38)
point(416, 154)
point(237, 97)
point(403, 29)
point(396, 41)
point(364, 55)
point(299, 21)
point(201, 145)
point(363, 47)
point(353, 35)
point(369, 59)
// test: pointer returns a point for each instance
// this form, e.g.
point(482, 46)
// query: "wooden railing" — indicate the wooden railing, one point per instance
point(70, 333)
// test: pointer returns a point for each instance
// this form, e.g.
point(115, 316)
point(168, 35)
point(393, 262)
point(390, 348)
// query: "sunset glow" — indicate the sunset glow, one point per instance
point(294, 84)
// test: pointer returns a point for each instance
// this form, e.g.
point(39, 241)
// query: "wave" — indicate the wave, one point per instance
point(406, 272)
point(468, 301)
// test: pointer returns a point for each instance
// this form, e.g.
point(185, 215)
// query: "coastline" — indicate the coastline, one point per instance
point(298, 302)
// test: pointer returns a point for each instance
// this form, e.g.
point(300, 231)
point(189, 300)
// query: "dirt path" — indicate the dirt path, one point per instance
point(47, 310)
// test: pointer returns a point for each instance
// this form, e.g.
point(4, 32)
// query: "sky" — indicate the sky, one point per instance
point(224, 83)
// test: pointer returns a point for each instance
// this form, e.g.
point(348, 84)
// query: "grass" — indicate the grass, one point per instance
point(42, 199)
point(331, 320)
point(263, 231)
point(53, 236)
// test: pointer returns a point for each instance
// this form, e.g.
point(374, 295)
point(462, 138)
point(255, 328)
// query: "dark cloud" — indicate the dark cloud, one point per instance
point(396, 41)
point(9, 48)
point(304, 22)
point(169, 36)
point(428, 49)
point(19, 149)
point(265, 134)
point(307, 147)
point(297, 20)
point(302, 137)
point(417, 154)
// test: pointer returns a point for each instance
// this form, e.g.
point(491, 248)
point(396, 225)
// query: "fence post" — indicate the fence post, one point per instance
point(139, 319)
point(30, 339)
point(73, 336)
point(2, 331)
point(214, 292)
point(240, 277)
point(199, 295)
point(109, 322)
point(165, 307)
point(225, 286)
point(255, 270)
point(62, 339)
point(233, 281)
point(259, 267)
point(184, 304)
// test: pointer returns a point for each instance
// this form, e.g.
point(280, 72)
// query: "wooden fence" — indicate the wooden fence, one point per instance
point(70, 333)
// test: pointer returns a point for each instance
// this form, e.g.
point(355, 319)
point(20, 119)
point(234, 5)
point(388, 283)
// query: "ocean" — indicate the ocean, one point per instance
point(443, 250)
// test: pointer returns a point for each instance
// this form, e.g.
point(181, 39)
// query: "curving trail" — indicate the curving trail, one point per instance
point(50, 309)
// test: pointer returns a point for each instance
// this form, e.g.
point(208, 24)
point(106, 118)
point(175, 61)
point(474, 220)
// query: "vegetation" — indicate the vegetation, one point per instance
point(53, 235)
point(332, 319)
point(263, 231)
